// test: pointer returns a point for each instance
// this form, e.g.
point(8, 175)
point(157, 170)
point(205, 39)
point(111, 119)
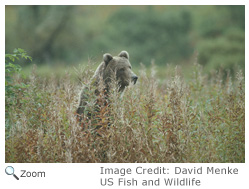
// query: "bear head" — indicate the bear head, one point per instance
point(118, 68)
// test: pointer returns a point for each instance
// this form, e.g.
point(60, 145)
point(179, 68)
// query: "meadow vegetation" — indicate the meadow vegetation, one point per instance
point(170, 119)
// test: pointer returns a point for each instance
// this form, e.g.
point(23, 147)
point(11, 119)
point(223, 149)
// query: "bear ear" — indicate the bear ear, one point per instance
point(107, 58)
point(124, 54)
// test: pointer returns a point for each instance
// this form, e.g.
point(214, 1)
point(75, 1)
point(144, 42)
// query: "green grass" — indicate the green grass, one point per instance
point(59, 70)
point(168, 116)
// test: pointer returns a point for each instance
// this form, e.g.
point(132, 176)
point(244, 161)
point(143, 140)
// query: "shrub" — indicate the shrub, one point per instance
point(13, 87)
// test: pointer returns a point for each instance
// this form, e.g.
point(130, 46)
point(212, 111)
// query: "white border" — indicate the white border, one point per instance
point(88, 175)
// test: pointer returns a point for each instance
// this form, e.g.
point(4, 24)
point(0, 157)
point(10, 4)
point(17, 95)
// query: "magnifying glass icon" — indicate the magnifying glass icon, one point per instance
point(10, 171)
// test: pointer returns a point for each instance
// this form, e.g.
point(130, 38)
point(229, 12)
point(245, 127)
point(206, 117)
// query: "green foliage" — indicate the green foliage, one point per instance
point(222, 35)
point(166, 34)
point(222, 18)
point(148, 34)
point(12, 68)
point(227, 51)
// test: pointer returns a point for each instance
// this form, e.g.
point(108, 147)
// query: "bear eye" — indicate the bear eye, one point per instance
point(122, 69)
point(130, 67)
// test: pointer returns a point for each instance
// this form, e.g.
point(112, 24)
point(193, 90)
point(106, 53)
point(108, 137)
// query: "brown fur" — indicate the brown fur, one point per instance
point(112, 69)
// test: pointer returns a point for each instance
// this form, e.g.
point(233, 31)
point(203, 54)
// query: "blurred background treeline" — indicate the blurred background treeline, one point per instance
point(72, 35)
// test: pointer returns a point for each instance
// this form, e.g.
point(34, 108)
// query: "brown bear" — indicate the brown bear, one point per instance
point(116, 70)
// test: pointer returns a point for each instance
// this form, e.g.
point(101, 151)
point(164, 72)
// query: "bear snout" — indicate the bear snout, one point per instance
point(134, 79)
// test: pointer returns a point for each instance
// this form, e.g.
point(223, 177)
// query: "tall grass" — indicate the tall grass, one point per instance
point(174, 120)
